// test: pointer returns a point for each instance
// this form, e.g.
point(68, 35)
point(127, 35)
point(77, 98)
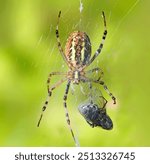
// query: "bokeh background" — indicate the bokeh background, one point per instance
point(28, 52)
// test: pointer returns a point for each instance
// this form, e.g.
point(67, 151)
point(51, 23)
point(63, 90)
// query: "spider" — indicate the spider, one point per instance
point(77, 56)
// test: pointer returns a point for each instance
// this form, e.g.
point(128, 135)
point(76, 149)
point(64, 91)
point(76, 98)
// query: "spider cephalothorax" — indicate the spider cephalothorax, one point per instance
point(77, 56)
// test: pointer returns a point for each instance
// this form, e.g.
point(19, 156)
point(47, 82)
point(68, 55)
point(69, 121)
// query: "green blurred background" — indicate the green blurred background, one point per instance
point(28, 52)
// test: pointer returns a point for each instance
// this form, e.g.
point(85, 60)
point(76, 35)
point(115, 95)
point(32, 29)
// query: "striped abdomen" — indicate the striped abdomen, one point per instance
point(78, 49)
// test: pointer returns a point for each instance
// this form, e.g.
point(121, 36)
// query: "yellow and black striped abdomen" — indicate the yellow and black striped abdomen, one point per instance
point(78, 49)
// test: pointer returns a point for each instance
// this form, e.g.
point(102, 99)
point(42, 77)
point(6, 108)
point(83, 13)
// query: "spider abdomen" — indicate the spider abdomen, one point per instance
point(78, 49)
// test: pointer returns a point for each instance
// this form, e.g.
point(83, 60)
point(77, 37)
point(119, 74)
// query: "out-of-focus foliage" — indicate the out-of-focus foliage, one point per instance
point(28, 52)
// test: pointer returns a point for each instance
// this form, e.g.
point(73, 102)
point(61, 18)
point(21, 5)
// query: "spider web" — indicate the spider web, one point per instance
point(52, 59)
point(51, 49)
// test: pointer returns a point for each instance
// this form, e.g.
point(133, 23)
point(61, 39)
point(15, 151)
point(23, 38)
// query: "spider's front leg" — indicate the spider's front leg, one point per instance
point(50, 89)
point(67, 113)
point(98, 51)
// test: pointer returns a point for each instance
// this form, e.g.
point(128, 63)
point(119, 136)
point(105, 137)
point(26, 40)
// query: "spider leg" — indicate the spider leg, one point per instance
point(107, 90)
point(67, 114)
point(91, 96)
point(49, 78)
point(49, 95)
point(85, 79)
point(102, 42)
point(58, 40)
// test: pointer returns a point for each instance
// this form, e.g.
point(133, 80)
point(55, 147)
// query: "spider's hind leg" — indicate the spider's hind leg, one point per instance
point(67, 114)
point(49, 95)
